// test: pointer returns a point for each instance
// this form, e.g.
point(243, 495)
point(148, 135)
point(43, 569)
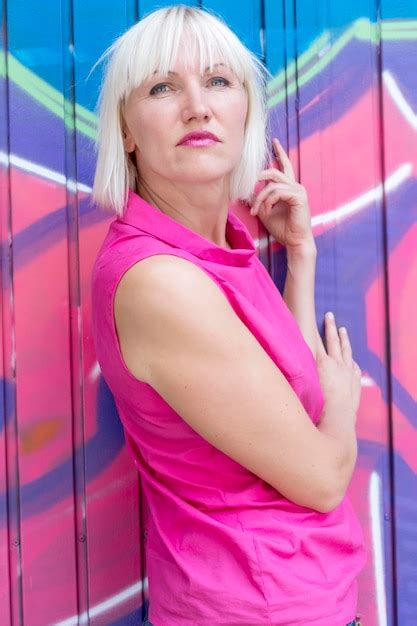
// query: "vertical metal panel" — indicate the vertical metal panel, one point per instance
point(281, 59)
point(9, 527)
point(246, 22)
point(41, 319)
point(340, 152)
point(399, 131)
point(276, 60)
point(112, 506)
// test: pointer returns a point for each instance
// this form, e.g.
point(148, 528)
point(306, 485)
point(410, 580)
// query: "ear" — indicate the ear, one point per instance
point(128, 140)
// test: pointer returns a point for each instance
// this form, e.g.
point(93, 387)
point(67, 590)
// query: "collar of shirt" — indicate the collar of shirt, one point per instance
point(148, 218)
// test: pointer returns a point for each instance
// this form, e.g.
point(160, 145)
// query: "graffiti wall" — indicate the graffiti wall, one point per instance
point(343, 101)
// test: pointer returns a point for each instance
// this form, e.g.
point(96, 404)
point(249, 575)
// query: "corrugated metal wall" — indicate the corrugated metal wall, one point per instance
point(344, 103)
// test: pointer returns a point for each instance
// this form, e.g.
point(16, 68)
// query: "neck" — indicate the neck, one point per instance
point(202, 216)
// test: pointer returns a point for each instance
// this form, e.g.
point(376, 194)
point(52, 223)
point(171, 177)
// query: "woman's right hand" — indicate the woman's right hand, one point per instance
point(340, 375)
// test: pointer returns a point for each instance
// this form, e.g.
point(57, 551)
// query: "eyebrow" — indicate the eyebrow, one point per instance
point(176, 73)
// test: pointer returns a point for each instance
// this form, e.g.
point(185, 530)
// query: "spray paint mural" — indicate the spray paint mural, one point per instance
point(343, 100)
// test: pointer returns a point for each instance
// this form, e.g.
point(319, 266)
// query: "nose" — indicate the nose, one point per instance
point(195, 104)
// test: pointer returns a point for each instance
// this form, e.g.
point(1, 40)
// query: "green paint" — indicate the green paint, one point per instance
point(284, 83)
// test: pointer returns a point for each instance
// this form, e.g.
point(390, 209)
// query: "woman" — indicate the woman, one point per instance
point(241, 423)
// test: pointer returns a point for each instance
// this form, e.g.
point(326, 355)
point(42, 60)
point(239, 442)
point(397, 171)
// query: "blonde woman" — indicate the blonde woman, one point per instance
point(239, 420)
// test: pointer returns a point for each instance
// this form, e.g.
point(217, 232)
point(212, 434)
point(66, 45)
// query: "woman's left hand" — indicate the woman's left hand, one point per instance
point(282, 205)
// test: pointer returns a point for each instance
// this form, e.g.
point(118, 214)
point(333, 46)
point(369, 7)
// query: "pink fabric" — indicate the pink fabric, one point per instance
point(223, 546)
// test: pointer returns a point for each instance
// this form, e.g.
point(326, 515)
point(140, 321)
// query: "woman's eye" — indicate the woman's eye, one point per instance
point(156, 88)
point(159, 88)
point(225, 81)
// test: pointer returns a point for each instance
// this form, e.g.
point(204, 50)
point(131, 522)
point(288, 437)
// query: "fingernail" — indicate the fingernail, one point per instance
point(330, 315)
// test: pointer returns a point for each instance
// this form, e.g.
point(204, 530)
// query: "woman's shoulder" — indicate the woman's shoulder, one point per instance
point(129, 253)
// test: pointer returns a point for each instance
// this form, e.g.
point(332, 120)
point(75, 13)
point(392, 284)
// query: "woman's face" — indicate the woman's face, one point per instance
point(162, 110)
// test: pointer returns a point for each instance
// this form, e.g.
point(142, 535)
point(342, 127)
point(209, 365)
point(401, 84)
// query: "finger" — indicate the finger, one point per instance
point(332, 337)
point(271, 200)
point(286, 192)
point(272, 203)
point(321, 350)
point(271, 173)
point(275, 162)
point(277, 191)
point(345, 345)
point(286, 163)
point(256, 204)
point(262, 195)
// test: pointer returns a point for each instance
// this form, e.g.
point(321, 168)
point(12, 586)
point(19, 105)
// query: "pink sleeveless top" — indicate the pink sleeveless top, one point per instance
point(223, 546)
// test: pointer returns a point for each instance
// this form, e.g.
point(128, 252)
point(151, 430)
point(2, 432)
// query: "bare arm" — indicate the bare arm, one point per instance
point(299, 291)
point(300, 299)
point(178, 333)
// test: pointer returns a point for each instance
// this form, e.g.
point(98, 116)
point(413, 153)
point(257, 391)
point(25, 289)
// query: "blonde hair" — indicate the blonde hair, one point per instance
point(152, 44)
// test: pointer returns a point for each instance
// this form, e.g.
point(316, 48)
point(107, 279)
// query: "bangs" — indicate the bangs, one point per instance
point(159, 46)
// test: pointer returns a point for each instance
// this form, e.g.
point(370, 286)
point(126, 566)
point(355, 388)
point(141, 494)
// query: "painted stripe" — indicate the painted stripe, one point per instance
point(42, 172)
point(94, 372)
point(367, 381)
point(103, 607)
point(399, 99)
point(375, 504)
point(362, 29)
point(349, 208)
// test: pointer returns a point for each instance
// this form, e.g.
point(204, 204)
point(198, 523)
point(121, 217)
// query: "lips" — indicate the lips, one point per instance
point(203, 134)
